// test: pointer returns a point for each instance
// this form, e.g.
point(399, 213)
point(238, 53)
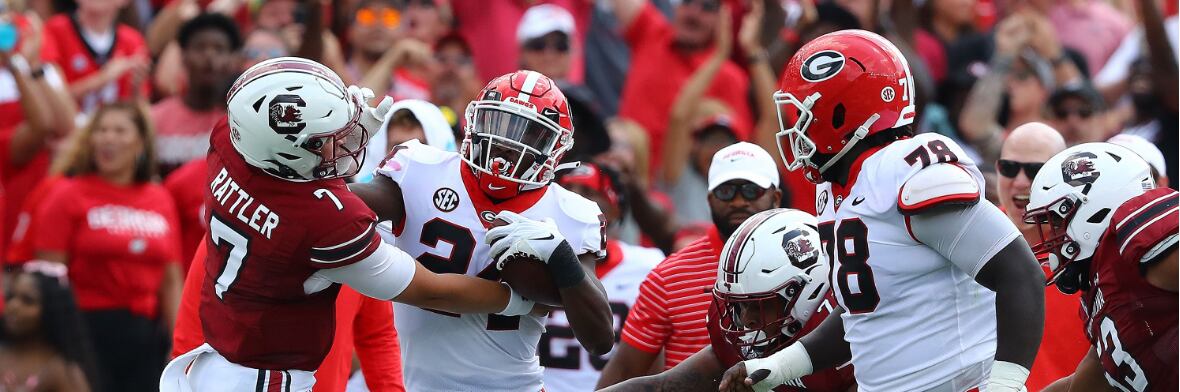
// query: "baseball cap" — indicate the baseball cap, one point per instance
point(543, 19)
point(1146, 150)
point(1080, 90)
point(743, 161)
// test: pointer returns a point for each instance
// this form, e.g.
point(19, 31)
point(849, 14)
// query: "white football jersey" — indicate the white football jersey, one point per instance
point(444, 229)
point(914, 320)
point(569, 368)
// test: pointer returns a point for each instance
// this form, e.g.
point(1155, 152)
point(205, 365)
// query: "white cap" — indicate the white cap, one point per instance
point(543, 19)
point(1148, 151)
point(743, 161)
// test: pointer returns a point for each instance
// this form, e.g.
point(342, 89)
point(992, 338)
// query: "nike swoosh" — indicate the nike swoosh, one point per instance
point(767, 271)
point(494, 188)
point(549, 237)
point(858, 200)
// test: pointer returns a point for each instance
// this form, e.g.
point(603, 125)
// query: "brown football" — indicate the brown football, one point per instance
point(529, 277)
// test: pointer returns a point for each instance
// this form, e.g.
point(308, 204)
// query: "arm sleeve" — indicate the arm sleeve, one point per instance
point(58, 217)
point(968, 236)
point(648, 327)
point(377, 347)
point(384, 274)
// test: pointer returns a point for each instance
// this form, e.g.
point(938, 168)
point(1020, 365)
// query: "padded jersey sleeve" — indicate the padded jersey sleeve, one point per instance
point(967, 236)
point(584, 225)
point(1145, 227)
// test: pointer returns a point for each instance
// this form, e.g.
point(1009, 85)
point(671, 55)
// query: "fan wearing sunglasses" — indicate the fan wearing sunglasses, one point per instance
point(1076, 111)
point(1021, 156)
point(545, 34)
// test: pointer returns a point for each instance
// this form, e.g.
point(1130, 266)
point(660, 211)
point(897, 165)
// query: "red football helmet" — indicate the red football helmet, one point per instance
point(516, 134)
point(837, 90)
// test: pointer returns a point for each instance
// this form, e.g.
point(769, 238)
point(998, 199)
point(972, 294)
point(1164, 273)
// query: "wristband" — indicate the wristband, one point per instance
point(517, 305)
point(1007, 377)
point(779, 368)
point(564, 267)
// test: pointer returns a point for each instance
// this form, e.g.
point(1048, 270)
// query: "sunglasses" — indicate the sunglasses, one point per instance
point(1010, 169)
point(707, 5)
point(388, 17)
point(749, 191)
point(1065, 112)
point(561, 43)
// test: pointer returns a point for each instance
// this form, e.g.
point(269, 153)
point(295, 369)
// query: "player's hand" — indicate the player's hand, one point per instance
point(523, 236)
point(736, 380)
point(371, 118)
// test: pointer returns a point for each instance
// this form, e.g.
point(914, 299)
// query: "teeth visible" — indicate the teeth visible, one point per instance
point(1020, 197)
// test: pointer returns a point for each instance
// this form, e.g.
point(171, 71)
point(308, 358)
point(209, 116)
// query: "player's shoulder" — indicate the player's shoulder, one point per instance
point(413, 156)
point(932, 170)
point(1142, 208)
point(573, 206)
point(1144, 226)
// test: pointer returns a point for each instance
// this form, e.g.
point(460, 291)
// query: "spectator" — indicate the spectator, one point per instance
point(1149, 152)
point(382, 57)
point(209, 44)
point(407, 119)
point(567, 366)
point(102, 60)
point(185, 185)
point(1024, 152)
point(427, 20)
point(1093, 28)
point(455, 80)
point(962, 49)
point(663, 57)
point(262, 45)
point(669, 314)
point(43, 346)
point(490, 27)
point(546, 38)
point(117, 231)
point(1076, 110)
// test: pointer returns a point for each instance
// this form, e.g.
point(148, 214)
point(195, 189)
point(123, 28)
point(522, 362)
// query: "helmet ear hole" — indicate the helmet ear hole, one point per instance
point(838, 116)
point(1098, 216)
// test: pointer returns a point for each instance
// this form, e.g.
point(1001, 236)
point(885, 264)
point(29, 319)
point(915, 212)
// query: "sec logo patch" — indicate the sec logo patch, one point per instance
point(446, 199)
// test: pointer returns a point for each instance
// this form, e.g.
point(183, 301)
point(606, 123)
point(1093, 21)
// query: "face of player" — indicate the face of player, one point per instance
point(548, 54)
point(22, 307)
point(729, 214)
point(116, 143)
point(375, 28)
point(209, 59)
point(694, 22)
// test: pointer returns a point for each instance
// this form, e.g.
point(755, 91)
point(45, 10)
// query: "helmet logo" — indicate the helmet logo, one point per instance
point(285, 116)
point(799, 248)
point(822, 65)
point(521, 102)
point(887, 94)
point(1078, 169)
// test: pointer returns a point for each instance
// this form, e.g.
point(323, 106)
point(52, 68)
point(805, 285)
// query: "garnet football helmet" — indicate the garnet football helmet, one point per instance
point(294, 119)
point(517, 131)
point(837, 90)
point(771, 278)
point(1073, 198)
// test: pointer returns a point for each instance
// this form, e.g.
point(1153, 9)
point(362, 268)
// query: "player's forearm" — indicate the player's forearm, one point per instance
point(826, 345)
point(626, 363)
point(455, 293)
point(700, 372)
point(1015, 276)
point(589, 314)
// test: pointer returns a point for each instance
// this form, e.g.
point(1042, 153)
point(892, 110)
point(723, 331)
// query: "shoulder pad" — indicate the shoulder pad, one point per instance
point(411, 153)
point(576, 207)
point(936, 185)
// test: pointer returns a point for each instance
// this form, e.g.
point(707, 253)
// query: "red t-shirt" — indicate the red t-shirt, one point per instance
point(673, 301)
point(182, 135)
point(659, 70)
point(1062, 344)
point(187, 185)
point(361, 322)
point(118, 238)
point(490, 28)
point(22, 248)
point(78, 60)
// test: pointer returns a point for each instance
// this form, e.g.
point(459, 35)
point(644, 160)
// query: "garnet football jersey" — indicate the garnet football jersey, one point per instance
point(913, 319)
point(444, 227)
point(834, 379)
point(267, 236)
point(567, 366)
point(1129, 321)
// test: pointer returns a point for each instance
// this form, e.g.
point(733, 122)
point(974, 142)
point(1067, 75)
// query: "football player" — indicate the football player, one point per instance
point(443, 204)
point(284, 232)
point(1107, 231)
point(772, 288)
point(937, 290)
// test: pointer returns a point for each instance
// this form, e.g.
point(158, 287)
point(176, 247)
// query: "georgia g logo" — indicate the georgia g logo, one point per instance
point(1078, 169)
point(285, 116)
point(822, 65)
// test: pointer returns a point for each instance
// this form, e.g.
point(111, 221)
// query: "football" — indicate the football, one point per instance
point(529, 277)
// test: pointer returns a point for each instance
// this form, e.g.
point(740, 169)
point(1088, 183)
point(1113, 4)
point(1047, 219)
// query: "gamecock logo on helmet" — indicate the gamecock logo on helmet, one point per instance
point(800, 249)
point(1079, 169)
point(285, 116)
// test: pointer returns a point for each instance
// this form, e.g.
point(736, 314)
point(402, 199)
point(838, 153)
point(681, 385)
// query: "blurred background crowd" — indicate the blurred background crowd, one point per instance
point(106, 108)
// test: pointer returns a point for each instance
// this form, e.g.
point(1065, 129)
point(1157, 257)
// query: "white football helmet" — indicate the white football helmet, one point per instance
point(294, 119)
point(772, 276)
point(1073, 197)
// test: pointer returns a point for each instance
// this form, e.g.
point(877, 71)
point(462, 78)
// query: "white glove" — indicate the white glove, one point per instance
point(1007, 377)
point(783, 366)
point(523, 236)
point(371, 118)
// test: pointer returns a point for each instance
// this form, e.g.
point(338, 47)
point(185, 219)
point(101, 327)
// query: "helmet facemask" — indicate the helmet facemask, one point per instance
point(760, 324)
point(511, 142)
point(341, 152)
point(802, 149)
point(1056, 248)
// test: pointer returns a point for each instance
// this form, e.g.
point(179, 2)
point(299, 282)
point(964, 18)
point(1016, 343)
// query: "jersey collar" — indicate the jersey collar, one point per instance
point(487, 208)
point(840, 192)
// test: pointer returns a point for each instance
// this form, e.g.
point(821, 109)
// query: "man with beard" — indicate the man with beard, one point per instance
point(669, 314)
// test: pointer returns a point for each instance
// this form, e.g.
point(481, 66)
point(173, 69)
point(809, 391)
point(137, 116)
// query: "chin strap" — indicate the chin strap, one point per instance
point(861, 132)
point(567, 166)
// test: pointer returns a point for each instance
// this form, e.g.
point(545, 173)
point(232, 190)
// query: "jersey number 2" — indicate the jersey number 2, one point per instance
point(850, 244)
point(235, 246)
point(462, 248)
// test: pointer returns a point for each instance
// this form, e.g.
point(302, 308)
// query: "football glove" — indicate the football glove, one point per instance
point(523, 237)
point(779, 368)
point(371, 118)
